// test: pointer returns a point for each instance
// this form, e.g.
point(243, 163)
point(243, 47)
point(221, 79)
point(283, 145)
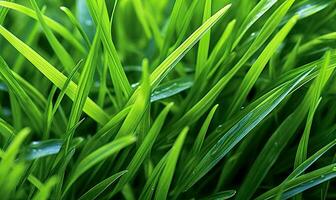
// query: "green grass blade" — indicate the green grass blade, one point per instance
point(97, 156)
point(96, 190)
point(53, 74)
point(168, 172)
point(259, 65)
point(57, 27)
point(203, 46)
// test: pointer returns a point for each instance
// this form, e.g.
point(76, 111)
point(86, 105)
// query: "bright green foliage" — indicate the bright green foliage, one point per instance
point(167, 99)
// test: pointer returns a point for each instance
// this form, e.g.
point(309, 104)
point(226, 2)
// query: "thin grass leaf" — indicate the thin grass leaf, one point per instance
point(303, 182)
point(96, 190)
point(144, 149)
point(53, 74)
point(59, 50)
point(97, 156)
point(57, 27)
point(168, 172)
point(258, 66)
point(203, 46)
point(201, 134)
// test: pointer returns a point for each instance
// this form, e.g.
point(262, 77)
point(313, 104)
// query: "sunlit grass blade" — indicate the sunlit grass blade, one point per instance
point(258, 66)
point(53, 74)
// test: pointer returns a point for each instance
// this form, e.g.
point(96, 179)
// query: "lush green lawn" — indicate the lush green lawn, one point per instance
point(167, 99)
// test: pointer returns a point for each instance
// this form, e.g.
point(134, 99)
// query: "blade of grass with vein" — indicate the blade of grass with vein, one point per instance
point(27, 104)
point(175, 13)
point(203, 46)
point(301, 154)
point(258, 11)
point(63, 56)
point(139, 107)
point(148, 189)
point(236, 133)
point(144, 148)
point(96, 190)
point(304, 165)
point(76, 23)
point(274, 146)
point(97, 156)
point(141, 14)
point(171, 88)
point(303, 183)
point(168, 171)
point(57, 27)
point(6, 130)
point(53, 74)
point(121, 84)
point(45, 189)
point(201, 134)
point(83, 89)
point(259, 65)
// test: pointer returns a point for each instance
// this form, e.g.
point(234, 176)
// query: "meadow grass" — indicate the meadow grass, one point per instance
point(169, 99)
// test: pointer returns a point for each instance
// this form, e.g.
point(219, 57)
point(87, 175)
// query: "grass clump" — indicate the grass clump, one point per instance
point(170, 99)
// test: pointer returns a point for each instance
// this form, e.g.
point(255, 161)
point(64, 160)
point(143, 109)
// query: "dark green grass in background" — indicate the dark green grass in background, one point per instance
point(167, 99)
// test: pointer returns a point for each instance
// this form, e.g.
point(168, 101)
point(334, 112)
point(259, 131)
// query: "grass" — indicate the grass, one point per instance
point(171, 99)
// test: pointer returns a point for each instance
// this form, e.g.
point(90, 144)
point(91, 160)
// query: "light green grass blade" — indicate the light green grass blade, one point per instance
point(76, 23)
point(259, 65)
point(141, 14)
point(201, 134)
point(121, 84)
point(6, 130)
point(57, 27)
point(56, 77)
point(221, 195)
point(204, 43)
point(139, 107)
point(96, 190)
point(63, 56)
point(256, 13)
point(97, 156)
point(167, 65)
point(46, 189)
point(144, 149)
point(83, 89)
point(168, 171)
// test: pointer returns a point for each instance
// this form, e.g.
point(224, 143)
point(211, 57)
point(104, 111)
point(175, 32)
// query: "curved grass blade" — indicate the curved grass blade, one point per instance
point(204, 43)
point(97, 156)
point(56, 77)
point(57, 27)
point(144, 149)
point(259, 65)
point(168, 172)
point(171, 88)
point(214, 153)
point(303, 183)
point(221, 195)
point(96, 190)
point(201, 135)
point(63, 56)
